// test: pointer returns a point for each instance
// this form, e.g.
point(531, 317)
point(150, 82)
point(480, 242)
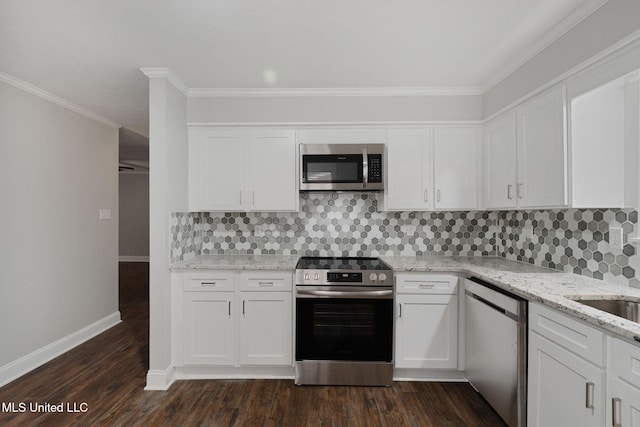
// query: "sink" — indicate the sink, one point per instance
point(627, 309)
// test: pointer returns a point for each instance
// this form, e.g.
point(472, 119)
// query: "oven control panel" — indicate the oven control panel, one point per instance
point(344, 277)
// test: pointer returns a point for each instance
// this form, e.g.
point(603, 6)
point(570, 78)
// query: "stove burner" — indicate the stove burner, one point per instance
point(343, 263)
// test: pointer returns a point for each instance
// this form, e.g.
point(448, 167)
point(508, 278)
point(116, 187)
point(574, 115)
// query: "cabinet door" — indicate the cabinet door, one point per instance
point(266, 328)
point(216, 170)
point(564, 389)
point(623, 408)
point(409, 170)
point(271, 171)
point(542, 151)
point(208, 328)
point(426, 331)
point(456, 168)
point(500, 163)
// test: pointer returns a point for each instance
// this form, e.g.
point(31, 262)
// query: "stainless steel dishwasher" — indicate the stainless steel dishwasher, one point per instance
point(496, 349)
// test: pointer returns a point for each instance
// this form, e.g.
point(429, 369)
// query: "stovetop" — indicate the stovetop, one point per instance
point(343, 263)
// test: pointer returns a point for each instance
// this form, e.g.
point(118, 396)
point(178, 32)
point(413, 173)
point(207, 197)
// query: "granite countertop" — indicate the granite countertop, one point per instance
point(239, 262)
point(549, 287)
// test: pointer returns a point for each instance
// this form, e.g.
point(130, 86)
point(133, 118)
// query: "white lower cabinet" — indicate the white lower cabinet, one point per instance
point(623, 376)
point(426, 321)
point(229, 319)
point(266, 329)
point(565, 388)
point(208, 328)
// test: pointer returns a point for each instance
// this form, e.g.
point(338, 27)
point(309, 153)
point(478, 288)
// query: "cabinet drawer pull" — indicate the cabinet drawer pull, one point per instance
point(229, 309)
point(438, 196)
point(209, 283)
point(242, 308)
point(589, 397)
point(509, 191)
point(426, 286)
point(616, 411)
point(400, 310)
point(265, 283)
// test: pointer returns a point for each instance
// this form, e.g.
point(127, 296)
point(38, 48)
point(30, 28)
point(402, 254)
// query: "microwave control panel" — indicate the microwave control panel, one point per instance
point(375, 167)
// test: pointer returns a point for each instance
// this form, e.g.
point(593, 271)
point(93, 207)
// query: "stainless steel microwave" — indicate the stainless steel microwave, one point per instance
point(341, 167)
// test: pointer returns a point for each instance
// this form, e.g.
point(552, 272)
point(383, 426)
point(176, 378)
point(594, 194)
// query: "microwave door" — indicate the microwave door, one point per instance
point(333, 169)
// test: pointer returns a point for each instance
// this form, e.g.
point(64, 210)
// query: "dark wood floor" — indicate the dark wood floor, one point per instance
point(108, 373)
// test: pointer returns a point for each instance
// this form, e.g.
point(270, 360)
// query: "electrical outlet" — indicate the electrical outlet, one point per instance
point(615, 238)
point(527, 233)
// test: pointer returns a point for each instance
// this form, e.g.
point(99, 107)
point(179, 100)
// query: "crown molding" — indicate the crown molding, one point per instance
point(166, 73)
point(345, 124)
point(577, 16)
point(333, 92)
point(632, 41)
point(48, 96)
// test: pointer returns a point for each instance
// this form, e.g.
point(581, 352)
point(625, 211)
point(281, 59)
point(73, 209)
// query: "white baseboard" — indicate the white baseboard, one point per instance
point(159, 380)
point(27, 363)
point(127, 258)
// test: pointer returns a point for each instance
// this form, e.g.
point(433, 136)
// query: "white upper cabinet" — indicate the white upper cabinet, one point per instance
point(216, 170)
point(271, 170)
point(242, 170)
point(525, 155)
point(604, 145)
point(409, 170)
point(456, 168)
point(500, 173)
point(432, 169)
point(542, 151)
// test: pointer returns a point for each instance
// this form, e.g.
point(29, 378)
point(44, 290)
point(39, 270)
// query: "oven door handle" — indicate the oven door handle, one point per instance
point(346, 294)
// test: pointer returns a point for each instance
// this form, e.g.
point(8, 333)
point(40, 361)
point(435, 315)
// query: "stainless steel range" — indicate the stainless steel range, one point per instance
point(344, 321)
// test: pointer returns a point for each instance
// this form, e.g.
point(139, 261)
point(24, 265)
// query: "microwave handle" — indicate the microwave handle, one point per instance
point(365, 167)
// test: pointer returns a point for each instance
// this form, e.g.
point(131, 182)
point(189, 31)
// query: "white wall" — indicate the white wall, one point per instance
point(333, 109)
point(611, 23)
point(58, 261)
point(134, 216)
point(167, 192)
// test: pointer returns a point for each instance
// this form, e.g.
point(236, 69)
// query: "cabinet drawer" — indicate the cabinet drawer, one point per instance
point(426, 284)
point(266, 281)
point(625, 361)
point(583, 340)
point(195, 282)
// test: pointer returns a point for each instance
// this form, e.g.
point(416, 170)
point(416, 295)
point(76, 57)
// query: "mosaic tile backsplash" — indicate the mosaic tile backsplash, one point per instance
point(349, 224)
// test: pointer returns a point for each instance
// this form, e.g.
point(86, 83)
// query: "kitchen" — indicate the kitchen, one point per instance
point(460, 226)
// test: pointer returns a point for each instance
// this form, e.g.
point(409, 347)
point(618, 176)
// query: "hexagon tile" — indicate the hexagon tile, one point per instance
point(572, 240)
point(349, 224)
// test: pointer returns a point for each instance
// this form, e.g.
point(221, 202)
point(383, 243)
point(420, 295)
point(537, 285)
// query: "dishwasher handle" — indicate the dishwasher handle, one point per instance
point(508, 304)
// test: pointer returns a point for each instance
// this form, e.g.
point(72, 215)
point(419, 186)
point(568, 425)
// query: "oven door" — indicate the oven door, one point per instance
point(357, 328)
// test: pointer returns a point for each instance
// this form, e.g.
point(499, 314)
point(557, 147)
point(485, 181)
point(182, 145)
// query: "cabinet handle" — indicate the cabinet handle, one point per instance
point(253, 197)
point(616, 411)
point(426, 195)
point(589, 396)
point(509, 191)
point(242, 308)
point(209, 283)
point(438, 196)
point(520, 190)
point(425, 286)
point(240, 196)
point(229, 309)
point(265, 283)
point(400, 310)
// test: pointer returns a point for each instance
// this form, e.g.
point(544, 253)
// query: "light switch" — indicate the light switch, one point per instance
point(615, 238)
point(105, 213)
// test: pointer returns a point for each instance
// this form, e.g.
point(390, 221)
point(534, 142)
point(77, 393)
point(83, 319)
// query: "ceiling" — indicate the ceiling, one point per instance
point(90, 52)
